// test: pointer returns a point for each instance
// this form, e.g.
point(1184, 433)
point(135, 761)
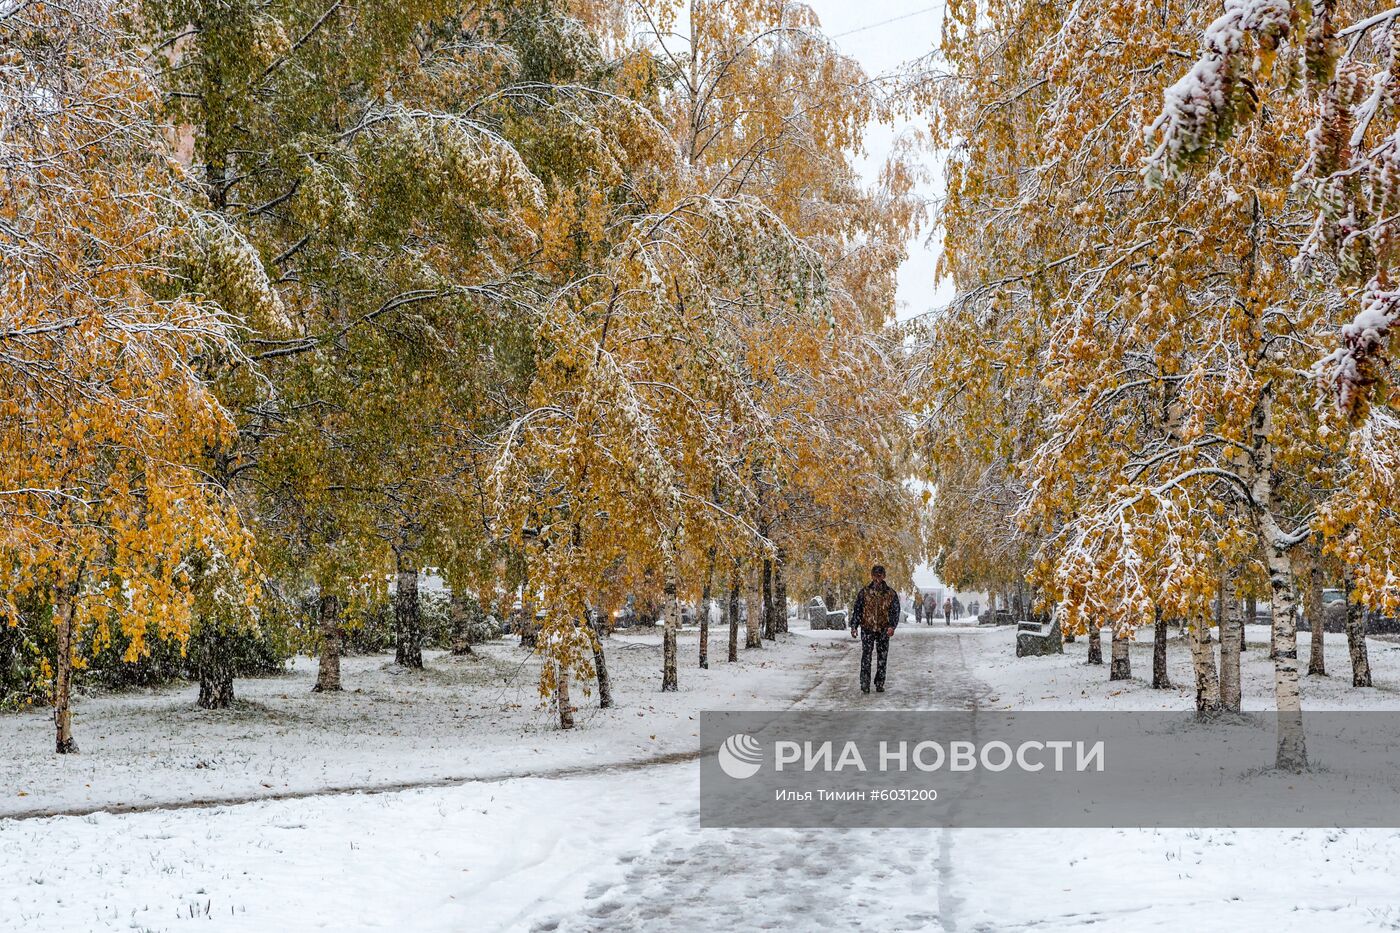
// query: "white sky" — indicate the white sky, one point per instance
point(881, 34)
point(881, 45)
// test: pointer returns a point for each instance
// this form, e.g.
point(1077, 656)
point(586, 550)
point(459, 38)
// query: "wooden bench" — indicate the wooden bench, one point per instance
point(1034, 640)
point(820, 618)
point(996, 617)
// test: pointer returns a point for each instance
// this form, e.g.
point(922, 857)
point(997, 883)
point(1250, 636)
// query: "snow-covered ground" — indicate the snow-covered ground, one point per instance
point(621, 849)
point(1061, 682)
point(623, 852)
point(460, 718)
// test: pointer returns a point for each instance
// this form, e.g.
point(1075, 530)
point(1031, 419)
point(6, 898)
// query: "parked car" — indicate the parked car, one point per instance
point(1334, 612)
point(1377, 624)
point(1334, 616)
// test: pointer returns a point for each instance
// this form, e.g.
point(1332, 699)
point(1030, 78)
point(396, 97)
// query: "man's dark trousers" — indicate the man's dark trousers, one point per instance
point(879, 642)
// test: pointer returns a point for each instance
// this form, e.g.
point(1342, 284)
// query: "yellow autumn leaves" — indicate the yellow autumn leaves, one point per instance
point(1142, 360)
point(104, 417)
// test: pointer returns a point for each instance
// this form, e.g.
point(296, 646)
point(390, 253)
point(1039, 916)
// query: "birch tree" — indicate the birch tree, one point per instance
point(362, 147)
point(107, 516)
point(1172, 342)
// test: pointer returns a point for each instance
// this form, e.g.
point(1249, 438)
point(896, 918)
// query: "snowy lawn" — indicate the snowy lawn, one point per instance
point(620, 848)
point(460, 718)
point(1066, 682)
point(623, 851)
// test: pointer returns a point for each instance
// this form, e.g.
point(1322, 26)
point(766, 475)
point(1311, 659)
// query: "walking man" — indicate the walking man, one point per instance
point(948, 611)
point(918, 608)
point(876, 615)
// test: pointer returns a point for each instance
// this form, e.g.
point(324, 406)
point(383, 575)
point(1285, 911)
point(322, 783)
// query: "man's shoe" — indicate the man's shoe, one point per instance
point(864, 689)
point(879, 688)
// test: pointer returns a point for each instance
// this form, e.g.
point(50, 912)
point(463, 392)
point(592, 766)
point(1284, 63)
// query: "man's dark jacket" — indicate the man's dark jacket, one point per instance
point(877, 608)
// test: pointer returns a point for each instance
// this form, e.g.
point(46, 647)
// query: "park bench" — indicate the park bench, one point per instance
point(1034, 640)
point(820, 618)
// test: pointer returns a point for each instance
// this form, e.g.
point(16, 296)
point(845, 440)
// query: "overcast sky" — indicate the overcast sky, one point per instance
point(882, 34)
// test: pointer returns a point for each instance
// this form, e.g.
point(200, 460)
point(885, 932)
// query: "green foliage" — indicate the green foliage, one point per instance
point(427, 222)
point(372, 630)
point(23, 668)
point(103, 661)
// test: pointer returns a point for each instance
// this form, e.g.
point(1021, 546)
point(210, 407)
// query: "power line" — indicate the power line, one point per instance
point(886, 22)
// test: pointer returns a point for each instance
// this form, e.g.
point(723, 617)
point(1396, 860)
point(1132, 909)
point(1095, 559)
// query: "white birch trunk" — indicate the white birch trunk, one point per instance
point(1160, 678)
point(753, 632)
point(1095, 644)
point(1120, 665)
point(1231, 643)
point(1312, 608)
point(1292, 754)
point(1356, 636)
point(1203, 662)
point(1291, 748)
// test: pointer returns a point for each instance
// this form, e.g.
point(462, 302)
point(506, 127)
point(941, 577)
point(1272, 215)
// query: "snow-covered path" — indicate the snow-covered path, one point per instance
point(622, 850)
point(681, 878)
point(707, 879)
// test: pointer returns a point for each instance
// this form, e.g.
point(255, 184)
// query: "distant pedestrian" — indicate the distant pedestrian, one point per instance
point(876, 615)
point(948, 610)
point(918, 608)
point(929, 604)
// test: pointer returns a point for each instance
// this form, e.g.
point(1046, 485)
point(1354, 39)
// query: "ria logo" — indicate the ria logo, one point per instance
point(740, 756)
